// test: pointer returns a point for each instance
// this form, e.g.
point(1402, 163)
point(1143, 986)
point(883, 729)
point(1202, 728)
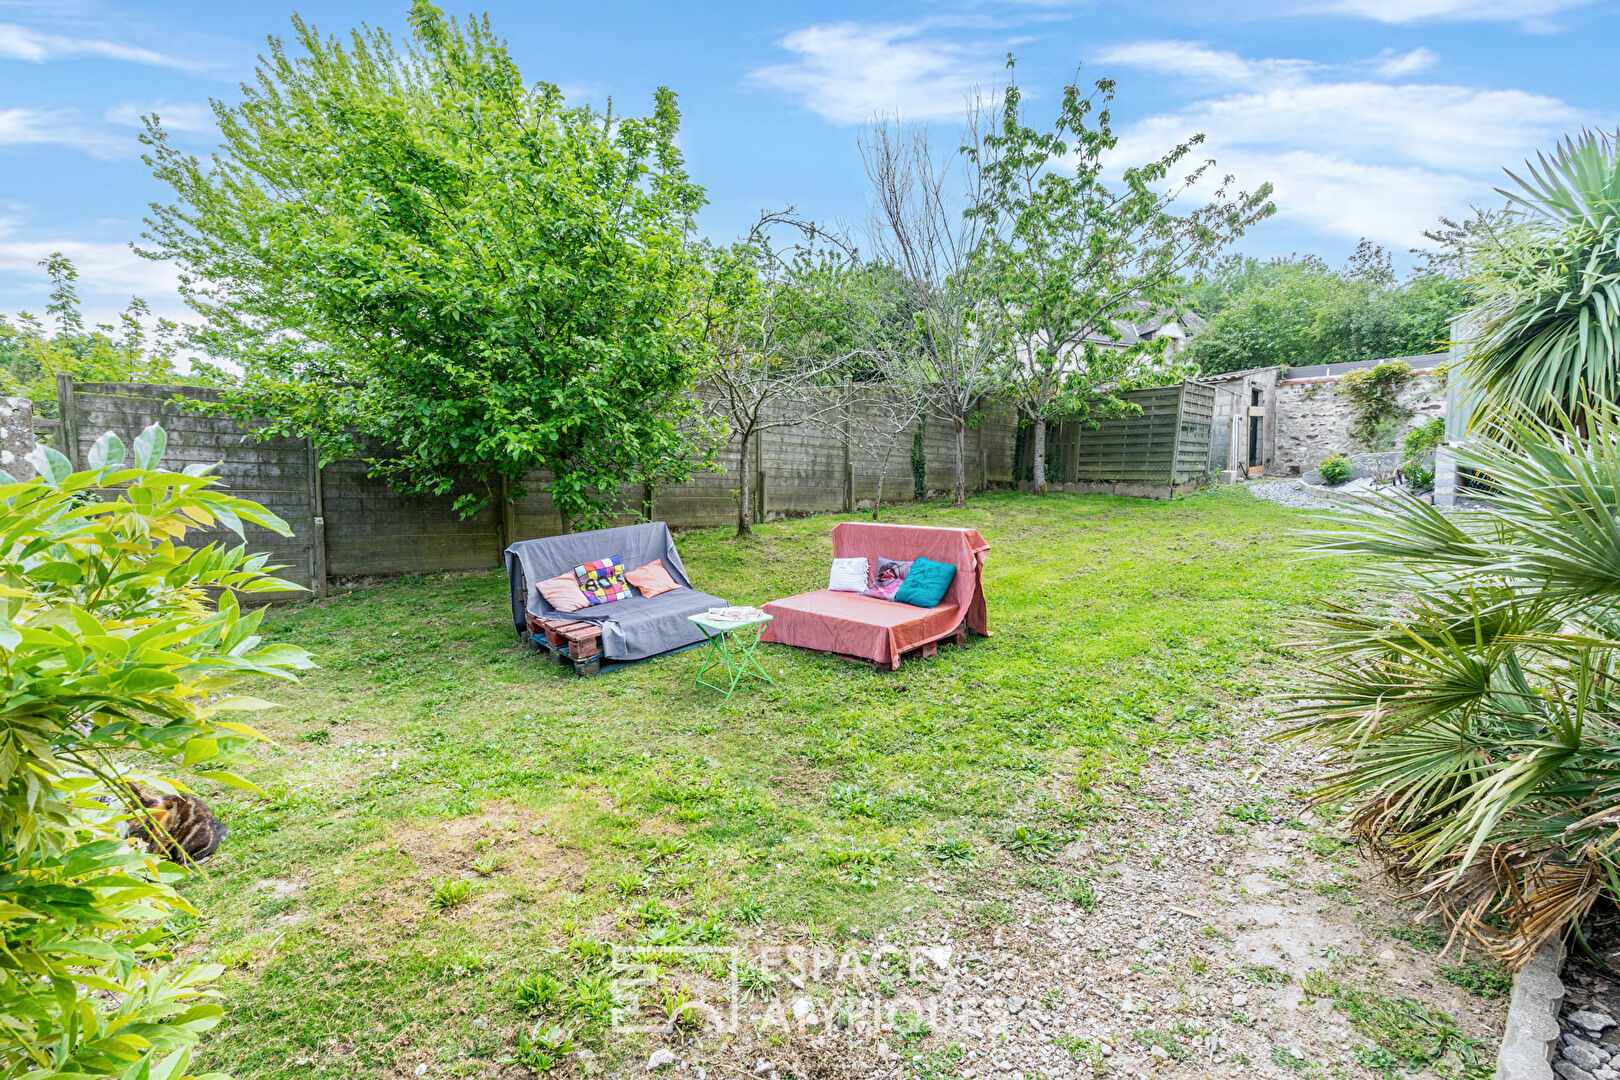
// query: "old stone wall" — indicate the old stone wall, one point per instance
point(1313, 419)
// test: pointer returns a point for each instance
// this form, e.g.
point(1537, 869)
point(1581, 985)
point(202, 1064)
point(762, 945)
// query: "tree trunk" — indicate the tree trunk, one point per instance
point(745, 488)
point(877, 503)
point(959, 487)
point(1039, 474)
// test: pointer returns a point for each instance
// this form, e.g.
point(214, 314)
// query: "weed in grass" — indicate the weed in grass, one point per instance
point(846, 800)
point(1266, 975)
point(993, 913)
point(1483, 977)
point(590, 950)
point(1326, 846)
point(942, 1064)
point(1151, 1037)
point(485, 865)
point(449, 893)
point(591, 998)
point(910, 1029)
point(628, 884)
point(1423, 936)
point(234, 958)
point(1033, 843)
point(684, 1017)
point(539, 991)
point(1415, 1035)
point(1286, 1059)
point(754, 981)
point(542, 1049)
point(1341, 893)
point(952, 852)
point(1084, 1050)
point(749, 910)
point(1253, 813)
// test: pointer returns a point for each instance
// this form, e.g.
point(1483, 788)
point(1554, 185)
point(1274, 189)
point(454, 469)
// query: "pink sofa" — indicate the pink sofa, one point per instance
point(882, 631)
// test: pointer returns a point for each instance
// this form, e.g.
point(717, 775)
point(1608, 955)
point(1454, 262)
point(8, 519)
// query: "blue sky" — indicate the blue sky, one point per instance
point(1372, 117)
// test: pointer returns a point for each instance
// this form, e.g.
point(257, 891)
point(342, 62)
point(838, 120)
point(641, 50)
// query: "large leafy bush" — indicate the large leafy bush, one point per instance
point(120, 645)
point(1476, 722)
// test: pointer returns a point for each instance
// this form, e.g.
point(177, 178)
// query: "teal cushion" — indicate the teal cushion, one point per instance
point(926, 584)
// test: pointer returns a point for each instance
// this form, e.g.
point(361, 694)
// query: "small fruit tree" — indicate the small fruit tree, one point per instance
point(120, 645)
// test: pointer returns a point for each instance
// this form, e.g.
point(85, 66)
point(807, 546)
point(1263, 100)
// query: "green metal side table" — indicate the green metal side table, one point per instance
point(736, 656)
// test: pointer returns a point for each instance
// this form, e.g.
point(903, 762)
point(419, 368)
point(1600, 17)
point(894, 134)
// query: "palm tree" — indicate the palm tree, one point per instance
point(1547, 322)
point(1474, 723)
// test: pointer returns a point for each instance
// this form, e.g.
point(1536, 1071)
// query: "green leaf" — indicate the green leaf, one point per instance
point(50, 464)
point(149, 447)
point(108, 450)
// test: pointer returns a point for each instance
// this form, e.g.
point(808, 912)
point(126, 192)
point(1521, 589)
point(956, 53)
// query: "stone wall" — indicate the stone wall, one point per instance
point(1313, 419)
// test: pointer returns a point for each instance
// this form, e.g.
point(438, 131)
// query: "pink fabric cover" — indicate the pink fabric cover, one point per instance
point(881, 630)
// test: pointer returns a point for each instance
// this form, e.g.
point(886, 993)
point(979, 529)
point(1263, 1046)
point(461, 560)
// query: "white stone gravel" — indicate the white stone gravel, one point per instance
point(1291, 493)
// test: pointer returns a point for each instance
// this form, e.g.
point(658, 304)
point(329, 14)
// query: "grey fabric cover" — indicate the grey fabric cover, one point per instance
point(632, 629)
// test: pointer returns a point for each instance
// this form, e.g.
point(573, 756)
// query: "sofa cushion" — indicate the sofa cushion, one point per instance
point(891, 574)
point(926, 584)
point(602, 580)
point(848, 575)
point(652, 579)
point(562, 592)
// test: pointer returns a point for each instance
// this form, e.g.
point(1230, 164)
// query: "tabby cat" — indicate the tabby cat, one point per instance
point(180, 828)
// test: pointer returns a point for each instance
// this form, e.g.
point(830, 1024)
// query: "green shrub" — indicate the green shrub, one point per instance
point(1476, 720)
point(1417, 454)
point(1335, 469)
point(115, 650)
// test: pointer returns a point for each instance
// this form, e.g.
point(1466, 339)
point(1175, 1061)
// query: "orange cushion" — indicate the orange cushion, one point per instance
point(652, 579)
point(563, 592)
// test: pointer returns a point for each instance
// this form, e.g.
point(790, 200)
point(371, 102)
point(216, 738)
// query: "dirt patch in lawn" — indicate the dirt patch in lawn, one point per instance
point(1209, 923)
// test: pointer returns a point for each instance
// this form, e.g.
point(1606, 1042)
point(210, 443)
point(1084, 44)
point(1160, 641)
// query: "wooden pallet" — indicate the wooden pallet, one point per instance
point(574, 644)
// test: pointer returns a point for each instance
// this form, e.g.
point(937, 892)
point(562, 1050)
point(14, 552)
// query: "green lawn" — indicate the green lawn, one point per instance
point(430, 748)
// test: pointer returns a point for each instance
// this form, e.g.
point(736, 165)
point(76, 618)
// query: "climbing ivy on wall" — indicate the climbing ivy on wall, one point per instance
point(1375, 407)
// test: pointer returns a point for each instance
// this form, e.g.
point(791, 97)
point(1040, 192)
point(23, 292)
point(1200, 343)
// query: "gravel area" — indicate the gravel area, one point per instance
point(1589, 1046)
point(1291, 493)
point(1222, 929)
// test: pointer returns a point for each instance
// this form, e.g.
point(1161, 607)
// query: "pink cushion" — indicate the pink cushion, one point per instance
point(652, 579)
point(562, 592)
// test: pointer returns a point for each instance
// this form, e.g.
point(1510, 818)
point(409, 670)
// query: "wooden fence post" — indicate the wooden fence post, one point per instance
point(849, 466)
point(759, 477)
point(68, 425)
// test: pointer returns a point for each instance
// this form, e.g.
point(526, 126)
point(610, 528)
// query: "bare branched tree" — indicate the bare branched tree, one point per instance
point(774, 347)
point(875, 421)
point(949, 360)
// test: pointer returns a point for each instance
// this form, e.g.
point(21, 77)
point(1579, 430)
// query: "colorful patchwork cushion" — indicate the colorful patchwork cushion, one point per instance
point(891, 573)
point(602, 580)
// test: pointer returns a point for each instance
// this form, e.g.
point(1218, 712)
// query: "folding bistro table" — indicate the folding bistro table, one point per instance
point(735, 655)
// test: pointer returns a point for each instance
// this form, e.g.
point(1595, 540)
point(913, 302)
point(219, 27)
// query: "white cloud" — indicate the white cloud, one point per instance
point(1356, 157)
point(1533, 12)
point(109, 274)
point(35, 46)
point(176, 116)
point(1393, 65)
point(849, 72)
point(1189, 59)
point(41, 127)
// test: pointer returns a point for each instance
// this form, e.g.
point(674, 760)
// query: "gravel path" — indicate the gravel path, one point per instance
point(1229, 933)
point(1291, 493)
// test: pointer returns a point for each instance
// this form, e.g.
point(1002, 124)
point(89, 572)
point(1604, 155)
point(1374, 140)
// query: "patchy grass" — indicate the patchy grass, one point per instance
point(454, 830)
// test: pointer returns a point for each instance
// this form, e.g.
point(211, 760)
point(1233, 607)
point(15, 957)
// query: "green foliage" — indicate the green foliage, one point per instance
point(1485, 978)
point(1547, 323)
point(1417, 453)
point(1335, 469)
point(31, 356)
point(116, 654)
point(1474, 721)
point(1374, 396)
point(1409, 1034)
point(421, 257)
point(1072, 257)
point(1296, 312)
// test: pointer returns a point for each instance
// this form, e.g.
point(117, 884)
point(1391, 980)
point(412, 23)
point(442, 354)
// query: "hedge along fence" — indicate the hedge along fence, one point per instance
point(346, 524)
point(1157, 451)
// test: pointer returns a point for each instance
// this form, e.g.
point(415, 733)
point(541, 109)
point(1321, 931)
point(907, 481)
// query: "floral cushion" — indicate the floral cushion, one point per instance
point(891, 574)
point(602, 580)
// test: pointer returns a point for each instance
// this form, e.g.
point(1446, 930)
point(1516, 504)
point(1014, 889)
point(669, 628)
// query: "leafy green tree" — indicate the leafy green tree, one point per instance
point(418, 254)
point(118, 657)
point(1294, 312)
point(31, 356)
point(1072, 257)
point(1547, 321)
